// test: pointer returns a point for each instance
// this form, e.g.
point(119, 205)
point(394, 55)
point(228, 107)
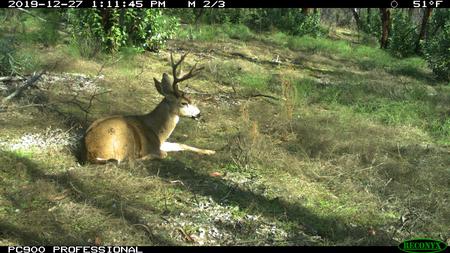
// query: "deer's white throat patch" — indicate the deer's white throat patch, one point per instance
point(189, 111)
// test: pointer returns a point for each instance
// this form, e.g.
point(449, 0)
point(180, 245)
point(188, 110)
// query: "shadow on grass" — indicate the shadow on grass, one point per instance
point(30, 232)
point(329, 228)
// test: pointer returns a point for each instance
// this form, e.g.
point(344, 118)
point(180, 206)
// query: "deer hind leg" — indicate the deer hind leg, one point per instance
point(174, 147)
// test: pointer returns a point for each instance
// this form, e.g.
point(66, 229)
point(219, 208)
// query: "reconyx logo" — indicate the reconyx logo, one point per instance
point(422, 245)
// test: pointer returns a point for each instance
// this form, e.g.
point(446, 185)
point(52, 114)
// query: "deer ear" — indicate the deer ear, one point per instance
point(158, 86)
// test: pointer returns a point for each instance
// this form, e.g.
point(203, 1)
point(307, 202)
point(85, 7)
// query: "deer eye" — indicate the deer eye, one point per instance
point(184, 103)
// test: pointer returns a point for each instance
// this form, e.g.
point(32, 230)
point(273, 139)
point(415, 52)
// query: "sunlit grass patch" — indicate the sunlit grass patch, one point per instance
point(220, 32)
point(319, 45)
point(254, 81)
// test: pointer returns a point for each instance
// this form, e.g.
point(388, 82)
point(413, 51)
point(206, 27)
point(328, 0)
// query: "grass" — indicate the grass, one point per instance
point(216, 32)
point(359, 158)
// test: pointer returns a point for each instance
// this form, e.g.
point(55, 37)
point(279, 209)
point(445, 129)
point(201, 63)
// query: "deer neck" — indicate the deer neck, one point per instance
point(162, 120)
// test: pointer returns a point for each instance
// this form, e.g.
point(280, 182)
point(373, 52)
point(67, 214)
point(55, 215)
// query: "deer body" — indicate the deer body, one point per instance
point(144, 136)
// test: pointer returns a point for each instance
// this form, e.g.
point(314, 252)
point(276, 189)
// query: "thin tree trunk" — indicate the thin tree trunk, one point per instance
point(198, 15)
point(423, 28)
point(306, 11)
point(385, 26)
point(356, 17)
point(410, 13)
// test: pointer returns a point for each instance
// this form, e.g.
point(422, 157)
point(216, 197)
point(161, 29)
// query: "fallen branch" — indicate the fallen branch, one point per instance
point(30, 82)
point(22, 107)
point(31, 14)
point(11, 78)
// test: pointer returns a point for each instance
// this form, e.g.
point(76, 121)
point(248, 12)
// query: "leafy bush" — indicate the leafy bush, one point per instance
point(239, 31)
point(144, 28)
point(8, 63)
point(308, 25)
point(15, 62)
point(48, 31)
point(291, 21)
point(403, 35)
point(371, 22)
point(437, 46)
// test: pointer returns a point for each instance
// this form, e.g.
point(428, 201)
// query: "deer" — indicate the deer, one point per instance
point(143, 137)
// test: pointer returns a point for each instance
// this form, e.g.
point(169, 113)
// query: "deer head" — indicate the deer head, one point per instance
point(180, 103)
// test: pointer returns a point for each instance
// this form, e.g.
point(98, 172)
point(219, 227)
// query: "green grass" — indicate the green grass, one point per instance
point(254, 81)
point(216, 33)
point(409, 106)
point(319, 45)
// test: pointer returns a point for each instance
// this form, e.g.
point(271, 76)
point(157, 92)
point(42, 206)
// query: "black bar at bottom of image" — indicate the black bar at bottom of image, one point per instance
point(197, 249)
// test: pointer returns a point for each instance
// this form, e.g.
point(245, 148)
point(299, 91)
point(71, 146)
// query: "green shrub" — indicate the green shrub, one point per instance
point(239, 31)
point(292, 21)
point(9, 64)
point(403, 36)
point(437, 51)
point(371, 22)
point(13, 61)
point(115, 28)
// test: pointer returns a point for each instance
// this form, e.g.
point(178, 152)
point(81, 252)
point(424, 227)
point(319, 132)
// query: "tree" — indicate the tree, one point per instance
point(423, 28)
point(437, 47)
point(357, 18)
point(305, 11)
point(385, 27)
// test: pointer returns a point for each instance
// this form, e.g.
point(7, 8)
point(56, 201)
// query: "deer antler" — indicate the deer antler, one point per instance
point(194, 70)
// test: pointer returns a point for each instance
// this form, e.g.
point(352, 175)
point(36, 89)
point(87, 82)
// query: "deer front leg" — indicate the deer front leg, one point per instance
point(174, 147)
point(160, 155)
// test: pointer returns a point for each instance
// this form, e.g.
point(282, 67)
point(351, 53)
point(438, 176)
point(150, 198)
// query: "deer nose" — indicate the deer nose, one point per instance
point(196, 117)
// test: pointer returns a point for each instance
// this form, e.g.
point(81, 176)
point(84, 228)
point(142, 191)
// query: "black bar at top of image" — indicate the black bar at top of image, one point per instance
point(224, 3)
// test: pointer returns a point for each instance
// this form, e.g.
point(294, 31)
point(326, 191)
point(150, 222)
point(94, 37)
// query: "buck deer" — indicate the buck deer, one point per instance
point(144, 136)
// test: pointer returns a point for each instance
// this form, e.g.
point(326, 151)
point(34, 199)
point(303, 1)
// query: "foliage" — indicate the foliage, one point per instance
point(371, 22)
point(8, 58)
point(437, 46)
point(403, 35)
point(292, 21)
point(15, 60)
point(48, 31)
point(222, 16)
point(143, 28)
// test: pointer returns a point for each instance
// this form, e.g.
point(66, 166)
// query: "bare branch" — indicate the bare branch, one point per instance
point(31, 14)
point(30, 82)
point(11, 78)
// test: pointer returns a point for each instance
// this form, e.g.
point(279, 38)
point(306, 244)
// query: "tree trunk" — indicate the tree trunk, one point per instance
point(423, 28)
point(385, 26)
point(356, 17)
point(410, 13)
point(198, 15)
point(306, 11)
